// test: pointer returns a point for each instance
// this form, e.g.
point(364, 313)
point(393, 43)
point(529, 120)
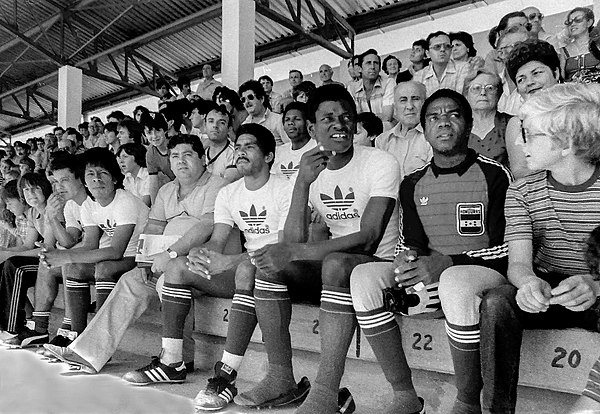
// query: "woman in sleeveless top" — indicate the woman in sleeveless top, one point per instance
point(580, 65)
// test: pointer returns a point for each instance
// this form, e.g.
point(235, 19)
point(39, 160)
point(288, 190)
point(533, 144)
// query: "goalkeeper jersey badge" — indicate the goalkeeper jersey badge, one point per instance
point(470, 219)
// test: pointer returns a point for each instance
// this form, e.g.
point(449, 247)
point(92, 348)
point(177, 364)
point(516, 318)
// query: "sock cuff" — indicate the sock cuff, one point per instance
point(105, 285)
point(464, 338)
point(376, 322)
point(73, 284)
point(176, 293)
point(336, 300)
point(40, 314)
point(264, 290)
point(66, 320)
point(241, 301)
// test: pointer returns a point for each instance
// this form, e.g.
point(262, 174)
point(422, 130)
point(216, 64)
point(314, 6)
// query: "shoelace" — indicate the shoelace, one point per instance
point(215, 383)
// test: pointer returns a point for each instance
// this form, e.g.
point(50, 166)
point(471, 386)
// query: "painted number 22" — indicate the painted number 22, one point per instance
point(427, 339)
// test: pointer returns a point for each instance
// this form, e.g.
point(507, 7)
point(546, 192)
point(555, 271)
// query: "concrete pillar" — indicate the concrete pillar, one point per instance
point(70, 87)
point(237, 52)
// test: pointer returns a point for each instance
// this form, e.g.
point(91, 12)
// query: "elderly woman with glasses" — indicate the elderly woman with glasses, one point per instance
point(533, 65)
point(489, 125)
point(579, 64)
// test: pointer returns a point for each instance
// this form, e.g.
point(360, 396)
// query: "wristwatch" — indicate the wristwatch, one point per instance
point(172, 253)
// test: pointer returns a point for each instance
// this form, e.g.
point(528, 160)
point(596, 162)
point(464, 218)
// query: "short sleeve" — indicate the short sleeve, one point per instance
point(285, 199)
point(126, 210)
point(151, 162)
point(222, 211)
point(388, 93)
point(384, 174)
point(72, 215)
point(519, 225)
point(157, 212)
point(87, 218)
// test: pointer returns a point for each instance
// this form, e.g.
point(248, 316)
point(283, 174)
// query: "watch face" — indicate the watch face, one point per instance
point(172, 254)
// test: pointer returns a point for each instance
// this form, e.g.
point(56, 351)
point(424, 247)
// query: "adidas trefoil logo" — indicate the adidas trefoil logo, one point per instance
point(289, 170)
point(339, 202)
point(424, 201)
point(252, 218)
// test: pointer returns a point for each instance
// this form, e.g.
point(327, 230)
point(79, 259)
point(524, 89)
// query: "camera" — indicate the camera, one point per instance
point(398, 300)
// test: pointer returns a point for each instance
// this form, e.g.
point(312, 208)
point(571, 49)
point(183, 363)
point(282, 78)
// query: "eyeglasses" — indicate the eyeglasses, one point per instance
point(250, 97)
point(527, 136)
point(535, 15)
point(576, 20)
point(476, 88)
point(438, 47)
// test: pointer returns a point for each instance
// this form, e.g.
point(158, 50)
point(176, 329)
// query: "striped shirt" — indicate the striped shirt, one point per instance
point(557, 219)
point(458, 211)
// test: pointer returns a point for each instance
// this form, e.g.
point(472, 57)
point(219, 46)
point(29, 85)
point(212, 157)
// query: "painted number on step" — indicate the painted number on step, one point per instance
point(573, 358)
point(225, 315)
point(422, 342)
point(315, 327)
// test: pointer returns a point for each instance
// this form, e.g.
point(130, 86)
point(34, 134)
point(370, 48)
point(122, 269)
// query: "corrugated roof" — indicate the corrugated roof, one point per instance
point(182, 50)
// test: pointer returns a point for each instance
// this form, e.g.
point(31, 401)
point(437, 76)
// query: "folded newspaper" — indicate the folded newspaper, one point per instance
point(153, 244)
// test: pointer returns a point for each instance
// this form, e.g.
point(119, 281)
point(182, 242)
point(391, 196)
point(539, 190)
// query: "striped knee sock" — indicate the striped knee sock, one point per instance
point(383, 333)
point(242, 322)
point(103, 289)
point(66, 324)
point(176, 303)
point(78, 301)
point(464, 348)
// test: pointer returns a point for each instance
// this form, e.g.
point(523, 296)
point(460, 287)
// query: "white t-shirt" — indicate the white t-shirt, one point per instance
point(340, 196)
point(260, 214)
point(72, 213)
point(124, 209)
point(139, 185)
point(287, 160)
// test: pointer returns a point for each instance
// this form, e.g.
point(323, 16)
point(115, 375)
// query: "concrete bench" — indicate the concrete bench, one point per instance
point(550, 359)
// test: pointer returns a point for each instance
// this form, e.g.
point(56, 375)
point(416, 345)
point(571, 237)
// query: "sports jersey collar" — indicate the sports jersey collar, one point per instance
point(459, 169)
point(378, 84)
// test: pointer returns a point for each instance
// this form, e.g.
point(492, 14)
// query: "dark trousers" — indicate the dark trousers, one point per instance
point(18, 274)
point(502, 324)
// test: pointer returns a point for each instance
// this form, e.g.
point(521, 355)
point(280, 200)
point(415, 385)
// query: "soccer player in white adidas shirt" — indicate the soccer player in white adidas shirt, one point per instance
point(355, 190)
point(287, 156)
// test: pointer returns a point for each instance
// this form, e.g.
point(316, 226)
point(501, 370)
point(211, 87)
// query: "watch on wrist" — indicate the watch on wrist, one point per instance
point(172, 253)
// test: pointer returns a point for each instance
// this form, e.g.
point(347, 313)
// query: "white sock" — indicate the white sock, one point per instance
point(172, 351)
point(232, 360)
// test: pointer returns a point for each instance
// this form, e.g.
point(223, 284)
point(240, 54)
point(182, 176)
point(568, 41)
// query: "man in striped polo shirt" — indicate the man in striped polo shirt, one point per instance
point(452, 232)
point(549, 216)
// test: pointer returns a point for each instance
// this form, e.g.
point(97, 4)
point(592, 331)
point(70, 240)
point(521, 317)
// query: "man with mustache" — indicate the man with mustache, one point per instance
point(254, 99)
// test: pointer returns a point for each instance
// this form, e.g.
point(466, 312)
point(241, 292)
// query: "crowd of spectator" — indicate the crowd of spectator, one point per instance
point(473, 177)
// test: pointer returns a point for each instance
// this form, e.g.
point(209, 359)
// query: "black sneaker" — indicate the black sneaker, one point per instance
point(157, 372)
point(220, 389)
point(26, 338)
point(60, 341)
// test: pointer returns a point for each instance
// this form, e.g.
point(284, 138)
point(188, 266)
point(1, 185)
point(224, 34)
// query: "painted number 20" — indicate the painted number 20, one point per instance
point(573, 358)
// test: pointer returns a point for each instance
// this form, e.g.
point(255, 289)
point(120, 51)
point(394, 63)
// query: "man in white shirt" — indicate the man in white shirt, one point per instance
point(207, 86)
point(442, 72)
point(406, 140)
point(220, 154)
point(253, 98)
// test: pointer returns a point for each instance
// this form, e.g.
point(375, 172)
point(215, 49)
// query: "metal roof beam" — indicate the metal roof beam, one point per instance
point(119, 82)
point(292, 25)
point(41, 120)
point(31, 43)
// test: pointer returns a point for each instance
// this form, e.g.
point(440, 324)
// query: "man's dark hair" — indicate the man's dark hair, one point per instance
point(83, 125)
point(119, 115)
point(298, 106)
point(460, 100)
point(254, 86)
point(421, 42)
point(192, 140)
point(103, 158)
point(296, 71)
point(467, 40)
point(307, 87)
point(182, 80)
point(111, 127)
point(138, 151)
point(203, 106)
point(264, 138)
point(329, 93)
point(267, 78)
point(35, 180)
point(142, 109)
point(22, 145)
point(161, 82)
point(134, 128)
point(62, 160)
point(432, 35)
point(10, 190)
point(362, 56)
point(230, 95)
point(530, 50)
point(371, 123)
point(503, 24)
point(220, 109)
point(58, 128)
point(158, 122)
